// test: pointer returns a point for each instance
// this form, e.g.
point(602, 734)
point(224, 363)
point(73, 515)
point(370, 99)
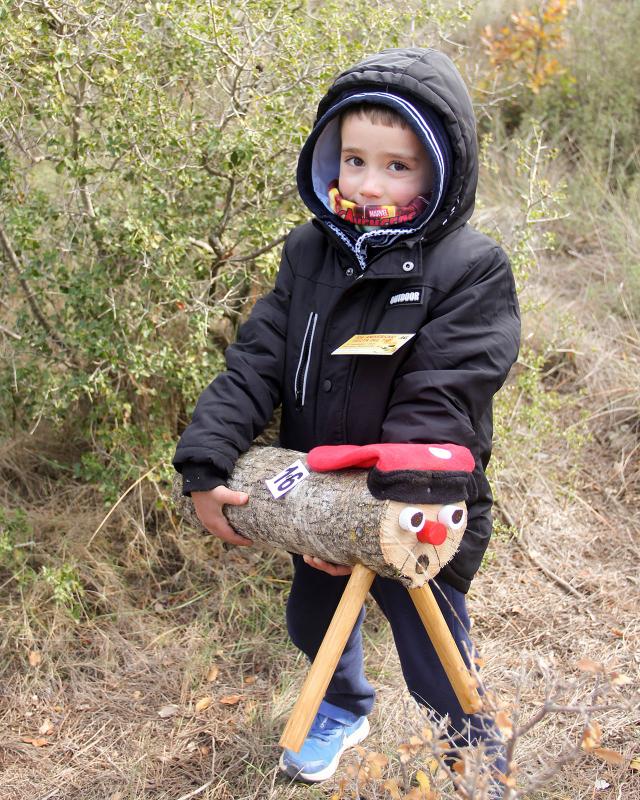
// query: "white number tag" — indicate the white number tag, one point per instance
point(287, 479)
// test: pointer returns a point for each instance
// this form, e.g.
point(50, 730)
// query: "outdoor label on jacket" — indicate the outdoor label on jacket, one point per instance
point(373, 344)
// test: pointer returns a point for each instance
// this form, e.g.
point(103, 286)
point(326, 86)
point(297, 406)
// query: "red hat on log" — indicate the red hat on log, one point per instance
point(411, 473)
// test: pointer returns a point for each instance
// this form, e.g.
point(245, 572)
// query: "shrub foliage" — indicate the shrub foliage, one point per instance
point(147, 162)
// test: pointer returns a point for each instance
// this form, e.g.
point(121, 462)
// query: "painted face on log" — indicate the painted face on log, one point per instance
point(422, 538)
point(431, 531)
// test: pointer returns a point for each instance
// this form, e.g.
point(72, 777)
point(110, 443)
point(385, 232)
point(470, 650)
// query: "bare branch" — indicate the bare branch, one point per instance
point(53, 14)
point(228, 200)
point(260, 251)
point(14, 263)
point(200, 243)
point(521, 542)
point(20, 143)
point(10, 333)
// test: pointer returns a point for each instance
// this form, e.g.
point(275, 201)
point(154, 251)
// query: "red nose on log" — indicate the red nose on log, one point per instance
point(432, 533)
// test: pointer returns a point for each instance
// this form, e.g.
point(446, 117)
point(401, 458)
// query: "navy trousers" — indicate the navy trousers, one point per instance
point(312, 602)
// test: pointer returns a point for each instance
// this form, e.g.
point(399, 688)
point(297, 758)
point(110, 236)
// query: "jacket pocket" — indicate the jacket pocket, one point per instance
point(300, 380)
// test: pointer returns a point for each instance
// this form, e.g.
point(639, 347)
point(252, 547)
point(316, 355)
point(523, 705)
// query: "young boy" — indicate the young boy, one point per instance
point(389, 172)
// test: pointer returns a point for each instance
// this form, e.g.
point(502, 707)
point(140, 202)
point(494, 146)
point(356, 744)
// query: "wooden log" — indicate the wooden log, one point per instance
point(331, 515)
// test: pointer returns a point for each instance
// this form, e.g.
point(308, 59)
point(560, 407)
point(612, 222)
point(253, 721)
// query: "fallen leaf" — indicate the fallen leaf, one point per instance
point(458, 767)
point(391, 786)
point(507, 780)
point(588, 665)
point(339, 795)
point(46, 727)
point(203, 703)
point(427, 734)
point(168, 711)
point(375, 764)
point(635, 763)
point(35, 658)
point(619, 634)
point(591, 736)
point(423, 782)
point(618, 679)
point(610, 756)
point(410, 748)
point(230, 699)
point(212, 674)
point(479, 661)
point(600, 785)
point(250, 679)
point(36, 741)
point(504, 723)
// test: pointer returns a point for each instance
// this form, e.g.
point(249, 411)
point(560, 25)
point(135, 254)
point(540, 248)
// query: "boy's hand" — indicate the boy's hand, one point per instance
point(327, 566)
point(208, 507)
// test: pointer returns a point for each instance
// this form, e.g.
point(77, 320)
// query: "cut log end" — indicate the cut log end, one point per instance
point(416, 561)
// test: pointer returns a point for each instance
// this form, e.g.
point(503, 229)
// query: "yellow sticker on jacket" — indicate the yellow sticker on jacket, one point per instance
point(373, 344)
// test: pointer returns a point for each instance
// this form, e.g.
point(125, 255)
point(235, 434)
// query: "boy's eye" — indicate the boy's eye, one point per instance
point(354, 161)
point(397, 166)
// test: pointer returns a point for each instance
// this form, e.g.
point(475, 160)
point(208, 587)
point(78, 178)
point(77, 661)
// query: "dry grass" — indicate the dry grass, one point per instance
point(164, 614)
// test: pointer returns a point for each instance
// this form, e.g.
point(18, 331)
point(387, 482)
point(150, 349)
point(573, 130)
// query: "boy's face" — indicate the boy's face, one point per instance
point(381, 165)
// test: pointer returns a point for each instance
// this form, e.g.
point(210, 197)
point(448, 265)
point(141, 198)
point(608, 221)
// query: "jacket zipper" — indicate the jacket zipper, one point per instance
point(353, 366)
point(300, 381)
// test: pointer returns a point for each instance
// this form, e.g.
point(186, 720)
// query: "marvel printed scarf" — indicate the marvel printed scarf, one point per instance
point(373, 215)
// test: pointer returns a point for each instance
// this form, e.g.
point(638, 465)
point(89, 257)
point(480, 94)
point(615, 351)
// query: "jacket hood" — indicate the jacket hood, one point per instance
point(405, 79)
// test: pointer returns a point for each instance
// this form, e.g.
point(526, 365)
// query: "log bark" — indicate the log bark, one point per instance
point(329, 514)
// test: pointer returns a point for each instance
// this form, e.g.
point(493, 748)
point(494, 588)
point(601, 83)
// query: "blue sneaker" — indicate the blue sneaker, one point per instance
point(320, 753)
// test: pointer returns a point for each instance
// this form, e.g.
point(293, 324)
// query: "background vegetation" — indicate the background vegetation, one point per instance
point(147, 155)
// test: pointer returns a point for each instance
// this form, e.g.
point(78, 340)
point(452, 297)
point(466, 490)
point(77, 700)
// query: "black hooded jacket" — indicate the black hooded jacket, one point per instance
point(444, 281)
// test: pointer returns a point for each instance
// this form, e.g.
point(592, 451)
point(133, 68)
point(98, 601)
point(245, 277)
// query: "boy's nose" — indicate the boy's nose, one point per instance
point(371, 187)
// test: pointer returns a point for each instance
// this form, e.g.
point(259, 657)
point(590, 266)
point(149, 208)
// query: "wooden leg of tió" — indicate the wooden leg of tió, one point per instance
point(327, 658)
point(462, 681)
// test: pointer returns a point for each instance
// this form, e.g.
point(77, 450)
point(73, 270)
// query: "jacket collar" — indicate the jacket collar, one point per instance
point(384, 262)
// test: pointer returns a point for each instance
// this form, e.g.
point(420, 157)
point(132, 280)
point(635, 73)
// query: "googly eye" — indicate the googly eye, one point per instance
point(411, 519)
point(452, 516)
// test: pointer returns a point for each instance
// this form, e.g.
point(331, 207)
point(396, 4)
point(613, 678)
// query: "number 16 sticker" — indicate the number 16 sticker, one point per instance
point(287, 479)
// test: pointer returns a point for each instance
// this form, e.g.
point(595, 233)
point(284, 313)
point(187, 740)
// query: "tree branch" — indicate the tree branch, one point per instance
point(14, 263)
point(522, 543)
point(10, 333)
point(258, 252)
point(227, 204)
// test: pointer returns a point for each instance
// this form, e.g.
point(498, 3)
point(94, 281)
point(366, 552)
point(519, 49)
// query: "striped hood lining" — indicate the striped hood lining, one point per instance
point(326, 144)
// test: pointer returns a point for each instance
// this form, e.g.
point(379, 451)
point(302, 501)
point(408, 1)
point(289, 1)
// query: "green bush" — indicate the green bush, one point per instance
point(147, 160)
